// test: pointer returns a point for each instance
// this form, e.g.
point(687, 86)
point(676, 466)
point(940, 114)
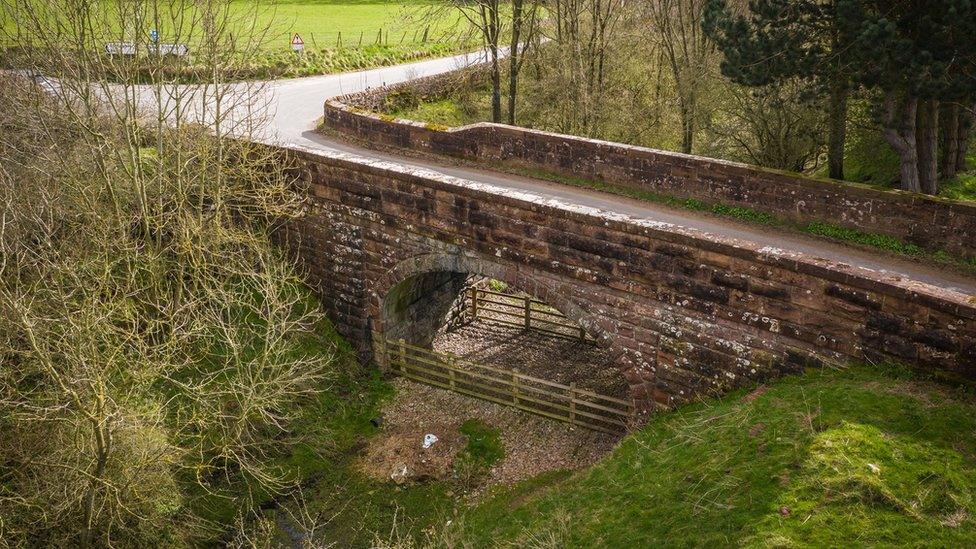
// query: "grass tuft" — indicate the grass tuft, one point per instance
point(879, 241)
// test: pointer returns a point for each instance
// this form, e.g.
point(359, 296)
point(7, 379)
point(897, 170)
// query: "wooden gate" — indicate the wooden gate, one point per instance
point(542, 397)
point(516, 311)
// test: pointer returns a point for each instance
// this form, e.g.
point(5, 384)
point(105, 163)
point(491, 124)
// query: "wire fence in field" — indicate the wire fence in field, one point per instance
point(381, 36)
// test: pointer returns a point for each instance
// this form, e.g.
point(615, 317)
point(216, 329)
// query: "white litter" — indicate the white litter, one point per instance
point(429, 440)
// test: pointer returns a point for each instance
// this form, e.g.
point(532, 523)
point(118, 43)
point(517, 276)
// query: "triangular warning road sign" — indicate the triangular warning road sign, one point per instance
point(297, 40)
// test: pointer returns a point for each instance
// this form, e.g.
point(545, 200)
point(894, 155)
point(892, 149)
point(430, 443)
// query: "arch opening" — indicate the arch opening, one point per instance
point(477, 333)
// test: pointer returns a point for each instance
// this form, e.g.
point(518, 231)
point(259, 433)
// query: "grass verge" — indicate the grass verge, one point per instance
point(829, 458)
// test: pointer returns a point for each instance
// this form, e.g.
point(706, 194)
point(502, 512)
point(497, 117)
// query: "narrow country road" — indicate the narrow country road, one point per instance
point(297, 105)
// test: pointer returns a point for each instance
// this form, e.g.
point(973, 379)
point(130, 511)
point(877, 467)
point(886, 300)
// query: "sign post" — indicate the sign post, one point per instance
point(154, 36)
point(297, 44)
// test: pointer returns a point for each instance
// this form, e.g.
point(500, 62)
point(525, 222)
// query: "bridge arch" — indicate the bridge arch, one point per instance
point(416, 294)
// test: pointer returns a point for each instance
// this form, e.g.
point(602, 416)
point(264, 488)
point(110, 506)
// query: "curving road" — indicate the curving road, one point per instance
point(296, 106)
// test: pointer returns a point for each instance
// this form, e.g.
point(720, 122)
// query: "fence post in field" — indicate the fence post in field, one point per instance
point(426, 31)
point(572, 403)
point(528, 313)
point(379, 36)
point(339, 40)
point(403, 356)
point(361, 39)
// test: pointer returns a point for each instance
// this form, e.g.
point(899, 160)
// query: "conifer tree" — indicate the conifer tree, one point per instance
point(779, 40)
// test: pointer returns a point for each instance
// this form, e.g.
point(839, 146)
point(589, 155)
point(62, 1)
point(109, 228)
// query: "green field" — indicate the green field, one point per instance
point(321, 22)
point(338, 35)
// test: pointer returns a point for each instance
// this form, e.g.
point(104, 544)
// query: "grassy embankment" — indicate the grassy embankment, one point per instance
point(864, 456)
point(349, 34)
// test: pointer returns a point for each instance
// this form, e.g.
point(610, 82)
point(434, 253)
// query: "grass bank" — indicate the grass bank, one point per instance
point(863, 456)
point(335, 501)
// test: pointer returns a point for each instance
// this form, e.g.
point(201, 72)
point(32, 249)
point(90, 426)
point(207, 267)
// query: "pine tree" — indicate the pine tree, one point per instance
point(918, 54)
point(779, 40)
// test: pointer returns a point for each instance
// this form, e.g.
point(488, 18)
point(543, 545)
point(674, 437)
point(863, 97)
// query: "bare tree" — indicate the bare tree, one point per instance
point(151, 335)
point(581, 31)
point(774, 126)
point(677, 31)
point(485, 18)
point(525, 21)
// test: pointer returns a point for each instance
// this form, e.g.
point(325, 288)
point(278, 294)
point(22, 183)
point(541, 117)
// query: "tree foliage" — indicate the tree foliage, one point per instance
point(151, 336)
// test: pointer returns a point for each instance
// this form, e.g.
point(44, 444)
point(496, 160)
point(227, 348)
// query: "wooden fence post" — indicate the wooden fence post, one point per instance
point(572, 403)
point(403, 356)
point(528, 313)
point(451, 366)
point(474, 303)
point(381, 356)
point(515, 387)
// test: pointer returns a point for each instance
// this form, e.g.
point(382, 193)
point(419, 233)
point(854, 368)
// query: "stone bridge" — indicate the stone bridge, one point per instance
point(685, 313)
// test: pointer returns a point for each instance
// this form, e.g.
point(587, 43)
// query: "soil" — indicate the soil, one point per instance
point(532, 444)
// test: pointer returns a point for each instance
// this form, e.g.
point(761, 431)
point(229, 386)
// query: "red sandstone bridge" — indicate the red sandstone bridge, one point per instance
point(687, 304)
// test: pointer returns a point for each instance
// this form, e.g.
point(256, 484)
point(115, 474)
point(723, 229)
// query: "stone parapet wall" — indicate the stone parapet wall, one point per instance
point(932, 223)
point(686, 314)
point(418, 90)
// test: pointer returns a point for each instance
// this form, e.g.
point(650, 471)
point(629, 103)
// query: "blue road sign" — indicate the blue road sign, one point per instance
point(154, 35)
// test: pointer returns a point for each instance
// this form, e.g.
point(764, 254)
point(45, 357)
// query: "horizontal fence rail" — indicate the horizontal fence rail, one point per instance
point(520, 312)
point(534, 395)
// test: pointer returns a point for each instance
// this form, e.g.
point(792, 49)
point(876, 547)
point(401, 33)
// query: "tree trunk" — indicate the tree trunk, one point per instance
point(687, 127)
point(950, 139)
point(927, 143)
point(899, 132)
point(496, 87)
point(965, 127)
point(492, 30)
point(838, 130)
point(513, 58)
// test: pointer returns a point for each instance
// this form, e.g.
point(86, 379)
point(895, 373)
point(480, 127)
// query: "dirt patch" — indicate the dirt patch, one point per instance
point(754, 394)
point(532, 444)
point(398, 454)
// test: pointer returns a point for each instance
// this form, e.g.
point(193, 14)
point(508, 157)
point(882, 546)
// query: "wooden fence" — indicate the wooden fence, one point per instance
point(517, 311)
point(538, 396)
